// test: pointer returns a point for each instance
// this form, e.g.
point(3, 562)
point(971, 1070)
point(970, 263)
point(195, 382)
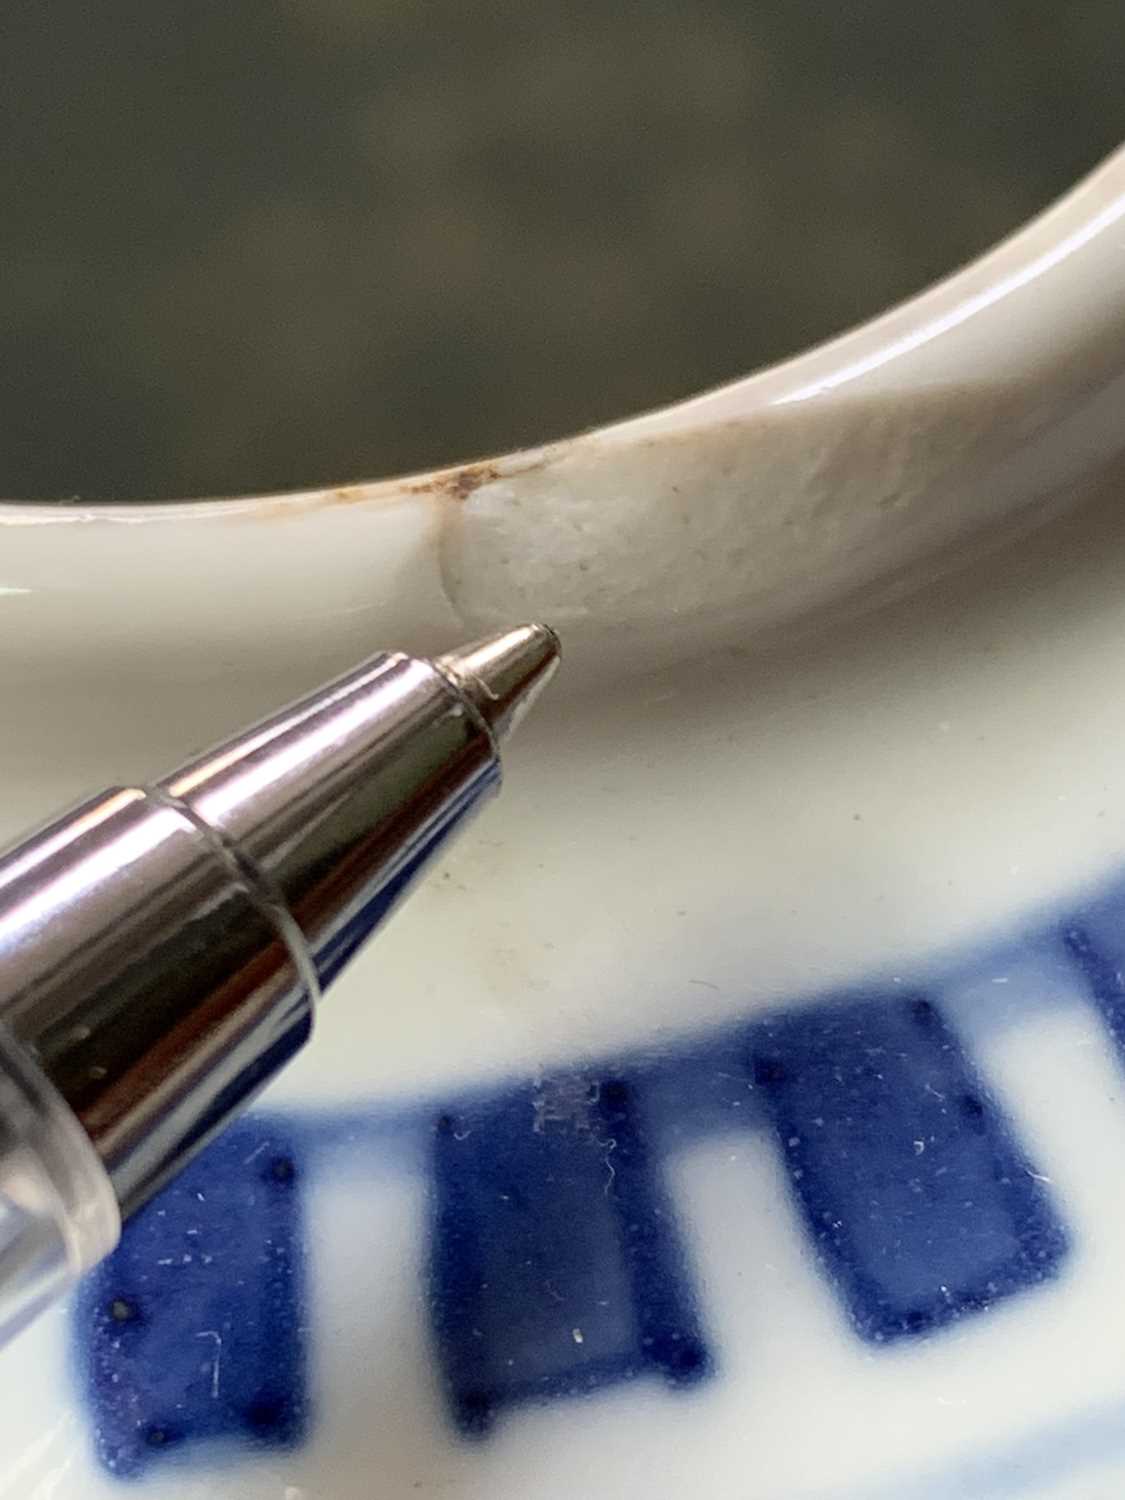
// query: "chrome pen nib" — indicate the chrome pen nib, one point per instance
point(503, 674)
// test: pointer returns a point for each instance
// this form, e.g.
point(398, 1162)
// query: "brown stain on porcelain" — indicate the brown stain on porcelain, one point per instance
point(456, 484)
point(452, 484)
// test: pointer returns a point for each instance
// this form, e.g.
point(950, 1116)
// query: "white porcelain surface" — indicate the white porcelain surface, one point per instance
point(753, 790)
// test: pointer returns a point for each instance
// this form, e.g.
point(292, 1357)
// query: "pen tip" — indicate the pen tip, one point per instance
point(503, 674)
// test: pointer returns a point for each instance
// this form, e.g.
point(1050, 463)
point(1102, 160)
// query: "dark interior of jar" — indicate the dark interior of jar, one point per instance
point(258, 245)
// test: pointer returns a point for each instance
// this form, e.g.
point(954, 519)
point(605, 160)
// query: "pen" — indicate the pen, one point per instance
point(163, 947)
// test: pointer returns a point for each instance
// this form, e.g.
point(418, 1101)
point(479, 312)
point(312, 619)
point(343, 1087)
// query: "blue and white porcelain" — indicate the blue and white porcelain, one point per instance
point(741, 1108)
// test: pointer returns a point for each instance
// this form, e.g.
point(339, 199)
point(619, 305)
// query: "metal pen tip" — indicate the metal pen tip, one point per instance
point(503, 674)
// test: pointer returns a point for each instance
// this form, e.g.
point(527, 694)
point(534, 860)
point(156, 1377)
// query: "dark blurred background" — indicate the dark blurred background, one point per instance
point(250, 245)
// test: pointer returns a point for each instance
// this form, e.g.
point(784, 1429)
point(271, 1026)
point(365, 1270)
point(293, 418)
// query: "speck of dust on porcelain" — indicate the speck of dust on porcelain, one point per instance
point(753, 1071)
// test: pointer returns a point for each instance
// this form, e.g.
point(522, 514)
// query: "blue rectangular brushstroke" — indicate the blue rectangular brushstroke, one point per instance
point(920, 1204)
point(556, 1266)
point(193, 1329)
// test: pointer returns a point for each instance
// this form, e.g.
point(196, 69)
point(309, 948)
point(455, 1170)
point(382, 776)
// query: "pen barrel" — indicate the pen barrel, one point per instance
point(146, 980)
point(339, 799)
point(58, 1212)
point(162, 947)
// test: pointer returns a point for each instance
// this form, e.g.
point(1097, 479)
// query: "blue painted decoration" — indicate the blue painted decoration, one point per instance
point(919, 1204)
point(1096, 943)
point(556, 1265)
point(193, 1329)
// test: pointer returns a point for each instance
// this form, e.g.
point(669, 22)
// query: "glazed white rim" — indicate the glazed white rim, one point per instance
point(989, 397)
point(1043, 246)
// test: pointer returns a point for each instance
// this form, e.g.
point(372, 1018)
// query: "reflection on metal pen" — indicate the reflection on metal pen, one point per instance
point(162, 947)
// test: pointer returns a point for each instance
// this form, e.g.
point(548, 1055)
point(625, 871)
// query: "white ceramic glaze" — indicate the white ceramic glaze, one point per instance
point(720, 816)
point(985, 400)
